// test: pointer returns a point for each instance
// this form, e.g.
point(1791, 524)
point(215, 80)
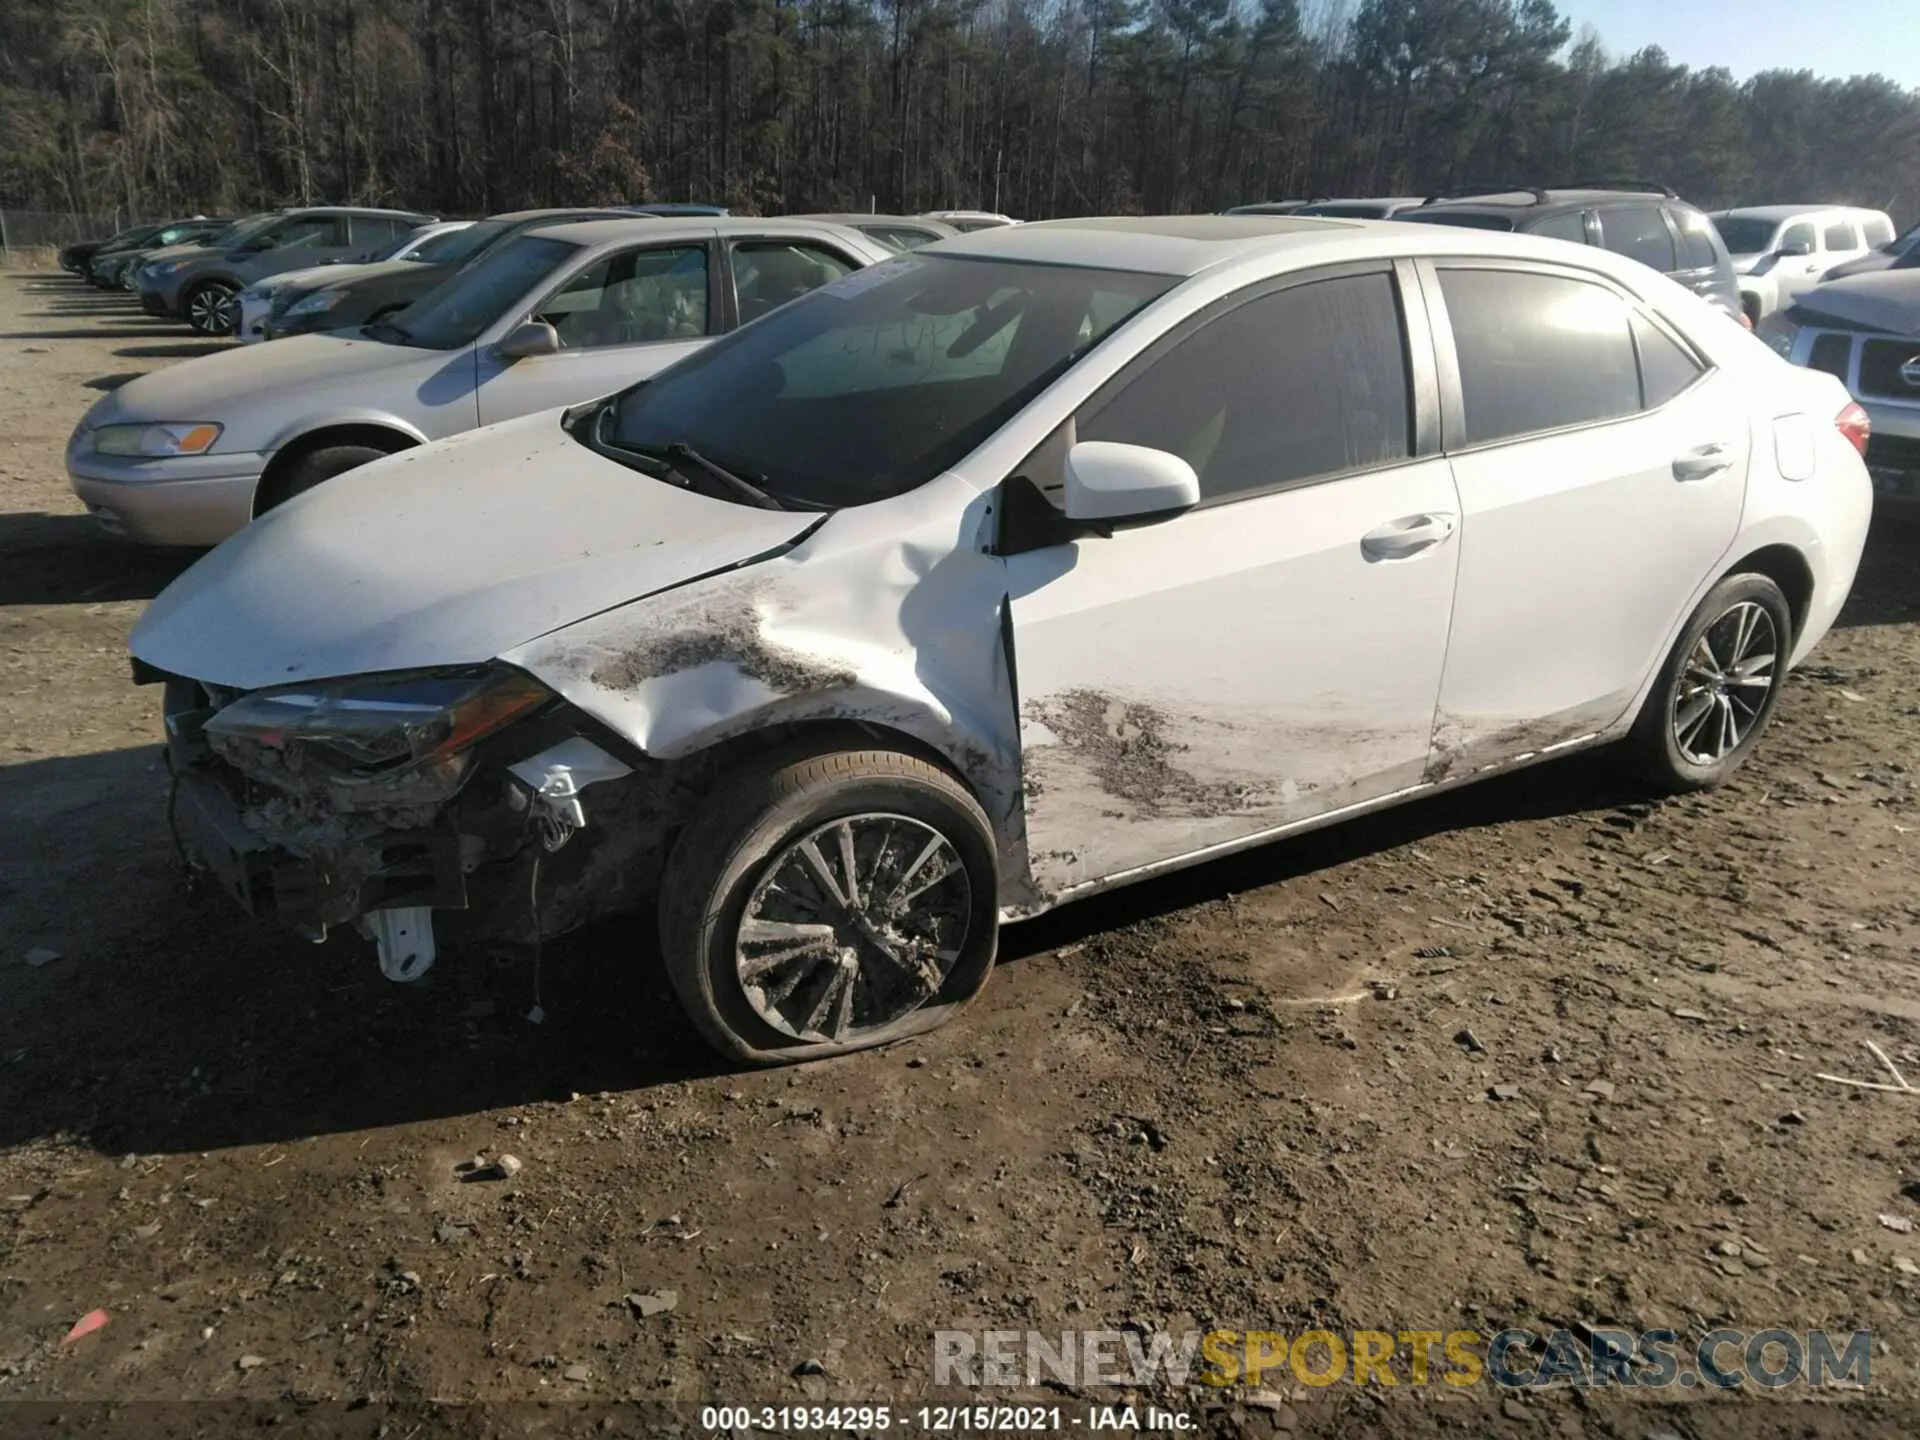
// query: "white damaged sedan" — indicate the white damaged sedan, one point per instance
point(1032, 563)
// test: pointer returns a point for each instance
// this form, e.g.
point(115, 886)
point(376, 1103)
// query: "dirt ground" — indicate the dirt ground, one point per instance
point(1347, 1082)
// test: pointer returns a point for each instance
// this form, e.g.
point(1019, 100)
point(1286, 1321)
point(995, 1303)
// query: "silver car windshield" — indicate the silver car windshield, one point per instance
point(1745, 235)
point(873, 385)
point(460, 309)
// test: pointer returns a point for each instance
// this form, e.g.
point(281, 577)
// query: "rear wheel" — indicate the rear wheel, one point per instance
point(1719, 686)
point(316, 467)
point(827, 902)
point(213, 308)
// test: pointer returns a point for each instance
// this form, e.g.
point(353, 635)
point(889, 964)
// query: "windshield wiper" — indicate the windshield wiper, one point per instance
point(382, 329)
point(683, 454)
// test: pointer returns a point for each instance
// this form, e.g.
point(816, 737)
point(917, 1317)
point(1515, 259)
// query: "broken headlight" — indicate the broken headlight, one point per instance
point(370, 725)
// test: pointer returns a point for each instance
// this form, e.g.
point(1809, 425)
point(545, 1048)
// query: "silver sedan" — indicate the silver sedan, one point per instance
point(188, 455)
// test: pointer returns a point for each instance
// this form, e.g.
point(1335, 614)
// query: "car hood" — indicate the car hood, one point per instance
point(1744, 263)
point(207, 388)
point(446, 555)
point(312, 277)
point(1884, 300)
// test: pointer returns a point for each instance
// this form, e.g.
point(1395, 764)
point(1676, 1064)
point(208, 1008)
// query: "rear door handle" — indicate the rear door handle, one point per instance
point(1702, 462)
point(1406, 537)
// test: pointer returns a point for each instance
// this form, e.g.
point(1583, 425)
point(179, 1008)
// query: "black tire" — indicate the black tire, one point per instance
point(1655, 747)
point(314, 468)
point(212, 308)
point(743, 832)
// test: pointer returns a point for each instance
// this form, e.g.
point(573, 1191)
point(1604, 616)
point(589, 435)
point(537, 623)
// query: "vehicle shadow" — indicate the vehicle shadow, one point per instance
point(67, 559)
point(186, 1026)
point(1887, 589)
point(98, 332)
point(183, 350)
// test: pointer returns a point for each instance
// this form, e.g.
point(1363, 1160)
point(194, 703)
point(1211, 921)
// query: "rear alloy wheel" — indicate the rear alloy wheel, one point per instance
point(1719, 686)
point(213, 309)
point(821, 903)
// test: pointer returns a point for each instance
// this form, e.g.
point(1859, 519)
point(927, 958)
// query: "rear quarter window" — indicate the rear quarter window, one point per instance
point(1640, 233)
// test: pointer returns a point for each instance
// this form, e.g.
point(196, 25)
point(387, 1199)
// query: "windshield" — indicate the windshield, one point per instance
point(1745, 235)
point(449, 247)
point(1906, 242)
point(238, 230)
point(1465, 219)
point(872, 386)
point(457, 310)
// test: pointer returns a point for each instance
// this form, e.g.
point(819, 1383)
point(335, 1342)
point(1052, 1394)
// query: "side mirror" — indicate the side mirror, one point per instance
point(535, 337)
point(1795, 248)
point(1116, 487)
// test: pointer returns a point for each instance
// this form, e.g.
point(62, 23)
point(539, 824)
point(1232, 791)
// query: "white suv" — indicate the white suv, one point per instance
point(1780, 250)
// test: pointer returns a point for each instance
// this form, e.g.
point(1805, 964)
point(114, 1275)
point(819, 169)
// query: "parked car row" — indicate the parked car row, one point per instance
point(806, 593)
point(221, 275)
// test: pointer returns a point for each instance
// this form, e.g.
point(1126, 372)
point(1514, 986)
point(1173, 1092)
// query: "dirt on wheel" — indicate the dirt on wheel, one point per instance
point(1539, 1055)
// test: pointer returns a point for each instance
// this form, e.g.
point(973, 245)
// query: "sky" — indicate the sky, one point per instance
point(1857, 37)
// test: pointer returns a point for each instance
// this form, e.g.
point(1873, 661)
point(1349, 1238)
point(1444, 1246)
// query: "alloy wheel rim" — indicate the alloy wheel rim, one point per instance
point(214, 310)
point(1729, 674)
point(852, 927)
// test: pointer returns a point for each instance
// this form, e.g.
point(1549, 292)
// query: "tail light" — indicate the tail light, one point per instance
point(1853, 423)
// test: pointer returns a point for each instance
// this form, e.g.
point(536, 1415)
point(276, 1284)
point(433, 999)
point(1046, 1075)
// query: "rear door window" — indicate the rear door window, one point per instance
point(1307, 382)
point(1640, 233)
point(1571, 226)
point(1538, 352)
point(1696, 239)
point(1666, 366)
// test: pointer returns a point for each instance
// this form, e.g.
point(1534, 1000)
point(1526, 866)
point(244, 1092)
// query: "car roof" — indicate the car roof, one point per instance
point(602, 232)
point(610, 211)
point(1186, 245)
point(356, 210)
point(1513, 202)
point(1784, 212)
point(863, 217)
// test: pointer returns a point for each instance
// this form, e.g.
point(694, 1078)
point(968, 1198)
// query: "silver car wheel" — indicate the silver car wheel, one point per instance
point(212, 310)
point(1724, 688)
point(852, 927)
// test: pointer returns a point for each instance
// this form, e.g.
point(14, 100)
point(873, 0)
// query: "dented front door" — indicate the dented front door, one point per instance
point(1235, 670)
point(1275, 654)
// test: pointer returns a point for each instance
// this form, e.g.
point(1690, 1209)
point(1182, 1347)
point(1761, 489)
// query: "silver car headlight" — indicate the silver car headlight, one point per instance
point(318, 303)
point(368, 725)
point(156, 439)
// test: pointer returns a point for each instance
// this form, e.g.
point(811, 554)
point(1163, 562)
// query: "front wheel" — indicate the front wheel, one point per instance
point(316, 467)
point(1718, 688)
point(827, 902)
point(213, 308)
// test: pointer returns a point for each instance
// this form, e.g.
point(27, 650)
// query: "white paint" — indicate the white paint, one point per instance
point(1106, 481)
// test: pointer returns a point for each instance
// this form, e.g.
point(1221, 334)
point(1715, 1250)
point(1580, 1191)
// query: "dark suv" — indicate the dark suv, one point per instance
point(1654, 226)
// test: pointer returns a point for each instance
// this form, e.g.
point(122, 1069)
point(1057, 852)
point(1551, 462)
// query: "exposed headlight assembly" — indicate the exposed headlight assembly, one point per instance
point(365, 727)
point(156, 439)
point(318, 303)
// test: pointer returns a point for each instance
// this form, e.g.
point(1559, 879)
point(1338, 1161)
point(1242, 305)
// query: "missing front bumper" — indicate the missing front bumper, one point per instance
point(386, 871)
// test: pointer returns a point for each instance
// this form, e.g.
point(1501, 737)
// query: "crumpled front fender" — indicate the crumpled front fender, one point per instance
point(890, 615)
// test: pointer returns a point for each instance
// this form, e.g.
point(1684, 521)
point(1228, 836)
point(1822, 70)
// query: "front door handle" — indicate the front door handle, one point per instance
point(1702, 462)
point(1406, 537)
